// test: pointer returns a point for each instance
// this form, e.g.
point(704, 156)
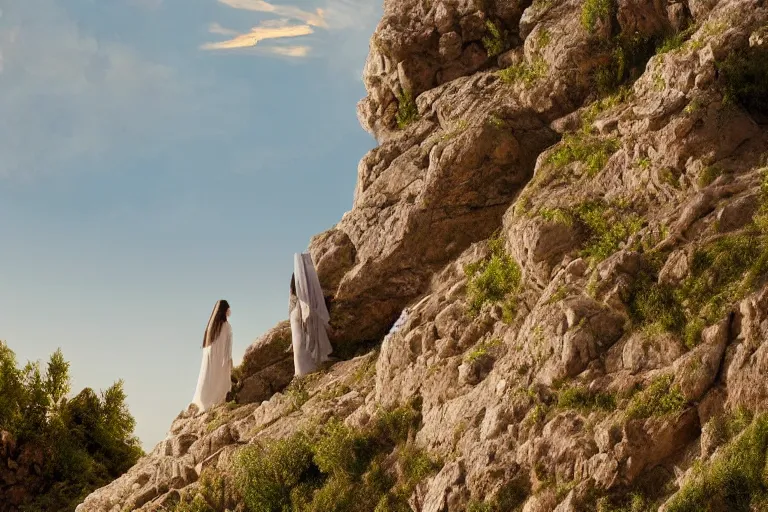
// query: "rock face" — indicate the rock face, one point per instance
point(634, 221)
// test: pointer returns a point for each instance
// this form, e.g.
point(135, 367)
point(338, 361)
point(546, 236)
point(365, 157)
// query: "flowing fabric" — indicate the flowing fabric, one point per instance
point(309, 318)
point(215, 379)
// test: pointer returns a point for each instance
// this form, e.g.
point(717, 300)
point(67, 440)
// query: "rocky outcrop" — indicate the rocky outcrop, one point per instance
point(624, 302)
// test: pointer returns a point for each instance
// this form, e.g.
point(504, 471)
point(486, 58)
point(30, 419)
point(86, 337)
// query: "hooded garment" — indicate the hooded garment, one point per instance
point(309, 318)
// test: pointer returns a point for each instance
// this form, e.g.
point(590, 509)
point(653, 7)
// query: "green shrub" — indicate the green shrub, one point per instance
point(493, 280)
point(675, 41)
point(406, 109)
point(482, 349)
point(628, 56)
point(592, 151)
point(581, 398)
point(335, 467)
point(494, 41)
point(733, 480)
point(709, 174)
point(654, 304)
point(607, 227)
point(267, 472)
point(510, 498)
point(744, 74)
point(341, 450)
point(594, 11)
point(661, 398)
point(723, 272)
point(526, 73)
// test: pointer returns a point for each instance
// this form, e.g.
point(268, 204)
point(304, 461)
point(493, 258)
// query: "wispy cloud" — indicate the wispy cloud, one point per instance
point(290, 51)
point(260, 33)
point(215, 28)
point(314, 19)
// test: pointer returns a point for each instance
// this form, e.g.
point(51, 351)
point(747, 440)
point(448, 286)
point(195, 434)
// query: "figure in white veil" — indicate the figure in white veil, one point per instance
point(214, 381)
point(309, 317)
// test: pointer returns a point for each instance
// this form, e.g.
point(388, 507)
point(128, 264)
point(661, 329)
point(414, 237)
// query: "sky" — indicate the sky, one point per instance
point(159, 155)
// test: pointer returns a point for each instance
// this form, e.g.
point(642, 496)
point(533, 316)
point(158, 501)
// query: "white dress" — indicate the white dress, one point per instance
point(215, 379)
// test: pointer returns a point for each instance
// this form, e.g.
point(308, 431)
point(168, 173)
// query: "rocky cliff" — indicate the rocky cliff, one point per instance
point(571, 196)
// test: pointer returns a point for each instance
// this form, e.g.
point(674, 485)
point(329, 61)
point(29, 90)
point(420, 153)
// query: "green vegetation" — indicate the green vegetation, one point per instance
point(733, 480)
point(495, 279)
point(607, 225)
point(331, 468)
point(581, 398)
point(723, 271)
point(482, 350)
point(510, 498)
point(87, 441)
point(661, 398)
point(594, 11)
point(593, 151)
point(629, 54)
point(675, 41)
point(745, 79)
point(494, 42)
point(406, 109)
point(525, 72)
point(635, 502)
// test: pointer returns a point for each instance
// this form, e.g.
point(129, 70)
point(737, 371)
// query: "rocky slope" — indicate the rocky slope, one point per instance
point(571, 197)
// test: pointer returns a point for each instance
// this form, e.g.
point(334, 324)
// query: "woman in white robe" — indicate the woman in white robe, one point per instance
point(214, 381)
point(309, 317)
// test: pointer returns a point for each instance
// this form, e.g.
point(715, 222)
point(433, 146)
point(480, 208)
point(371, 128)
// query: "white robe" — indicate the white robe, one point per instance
point(309, 318)
point(303, 362)
point(215, 379)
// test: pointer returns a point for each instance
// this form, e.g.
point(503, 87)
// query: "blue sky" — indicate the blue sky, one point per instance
point(153, 160)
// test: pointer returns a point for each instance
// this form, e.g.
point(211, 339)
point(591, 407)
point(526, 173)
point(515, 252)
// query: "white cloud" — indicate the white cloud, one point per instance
point(215, 28)
point(69, 100)
point(260, 33)
point(289, 51)
point(314, 19)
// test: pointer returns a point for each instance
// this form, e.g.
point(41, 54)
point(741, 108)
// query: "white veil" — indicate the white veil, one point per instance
point(314, 314)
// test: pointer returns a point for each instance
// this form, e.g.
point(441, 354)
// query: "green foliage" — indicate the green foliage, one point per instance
point(335, 468)
point(656, 305)
point(607, 226)
point(733, 480)
point(510, 498)
point(725, 427)
point(661, 398)
point(494, 42)
point(267, 472)
point(482, 350)
point(297, 391)
point(675, 41)
point(709, 174)
point(495, 279)
point(341, 450)
point(592, 151)
point(524, 72)
point(594, 11)
point(744, 74)
point(581, 398)
point(722, 272)
point(406, 109)
point(87, 441)
point(629, 54)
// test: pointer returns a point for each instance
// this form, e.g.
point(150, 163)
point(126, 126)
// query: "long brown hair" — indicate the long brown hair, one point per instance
point(218, 317)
